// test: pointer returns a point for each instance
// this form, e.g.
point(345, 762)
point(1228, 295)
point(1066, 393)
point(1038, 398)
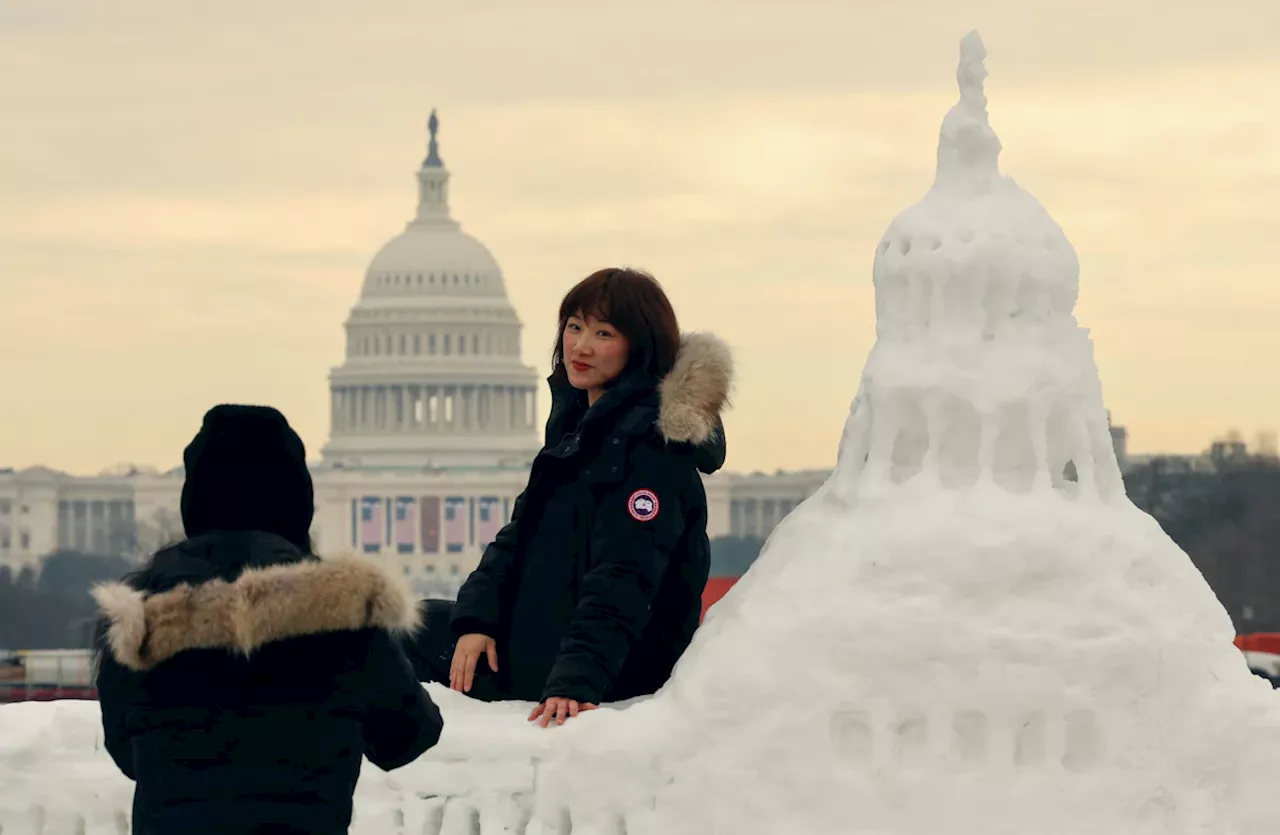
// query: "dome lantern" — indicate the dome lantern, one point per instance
point(433, 182)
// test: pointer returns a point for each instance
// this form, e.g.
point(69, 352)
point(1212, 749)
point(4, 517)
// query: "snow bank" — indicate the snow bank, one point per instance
point(969, 629)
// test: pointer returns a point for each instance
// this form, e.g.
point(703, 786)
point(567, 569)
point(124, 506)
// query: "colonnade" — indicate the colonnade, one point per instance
point(431, 408)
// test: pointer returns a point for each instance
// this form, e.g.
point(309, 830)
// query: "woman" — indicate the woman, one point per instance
point(593, 590)
point(243, 678)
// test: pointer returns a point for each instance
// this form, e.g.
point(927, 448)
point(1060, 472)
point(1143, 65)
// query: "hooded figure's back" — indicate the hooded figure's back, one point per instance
point(242, 679)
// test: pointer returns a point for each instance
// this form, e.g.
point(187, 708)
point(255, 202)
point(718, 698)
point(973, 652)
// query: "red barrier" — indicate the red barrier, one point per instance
point(1259, 642)
point(717, 587)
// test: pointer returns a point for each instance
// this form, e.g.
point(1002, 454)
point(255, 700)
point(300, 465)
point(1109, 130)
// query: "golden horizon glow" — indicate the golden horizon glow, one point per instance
point(178, 229)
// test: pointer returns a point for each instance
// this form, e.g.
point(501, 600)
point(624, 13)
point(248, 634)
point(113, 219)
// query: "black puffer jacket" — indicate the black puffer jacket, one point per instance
point(593, 590)
point(242, 683)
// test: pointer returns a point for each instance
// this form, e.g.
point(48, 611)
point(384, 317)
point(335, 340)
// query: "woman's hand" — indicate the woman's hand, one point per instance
point(559, 709)
point(462, 673)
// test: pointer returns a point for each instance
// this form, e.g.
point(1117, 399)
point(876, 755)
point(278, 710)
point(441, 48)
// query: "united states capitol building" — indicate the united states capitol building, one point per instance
point(432, 429)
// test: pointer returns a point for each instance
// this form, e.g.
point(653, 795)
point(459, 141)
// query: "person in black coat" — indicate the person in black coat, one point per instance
point(593, 590)
point(242, 679)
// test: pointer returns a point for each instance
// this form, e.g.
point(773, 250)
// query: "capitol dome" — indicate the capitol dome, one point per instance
point(433, 256)
point(433, 375)
point(422, 258)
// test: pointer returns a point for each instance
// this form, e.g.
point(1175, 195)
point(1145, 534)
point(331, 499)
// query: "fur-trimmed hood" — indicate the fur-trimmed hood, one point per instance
point(261, 606)
point(696, 390)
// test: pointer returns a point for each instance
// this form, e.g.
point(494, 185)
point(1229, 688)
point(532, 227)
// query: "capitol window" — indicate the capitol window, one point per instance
point(446, 344)
point(431, 343)
point(475, 343)
point(24, 541)
point(417, 344)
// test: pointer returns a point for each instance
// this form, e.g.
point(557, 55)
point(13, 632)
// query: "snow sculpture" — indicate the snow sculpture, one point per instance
point(969, 630)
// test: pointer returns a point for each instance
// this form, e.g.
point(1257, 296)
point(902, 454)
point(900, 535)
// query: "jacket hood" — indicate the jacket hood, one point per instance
point(262, 605)
point(694, 394)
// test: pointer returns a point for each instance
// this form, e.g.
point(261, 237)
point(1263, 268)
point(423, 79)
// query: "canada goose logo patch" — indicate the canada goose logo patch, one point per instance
point(643, 505)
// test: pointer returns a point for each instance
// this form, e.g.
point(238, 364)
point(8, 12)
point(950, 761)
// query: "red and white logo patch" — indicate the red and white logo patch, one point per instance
point(643, 505)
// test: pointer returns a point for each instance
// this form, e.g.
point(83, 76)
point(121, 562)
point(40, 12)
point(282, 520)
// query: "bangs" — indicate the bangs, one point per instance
point(591, 298)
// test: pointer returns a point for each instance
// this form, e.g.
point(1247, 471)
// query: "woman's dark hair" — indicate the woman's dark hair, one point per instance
point(633, 302)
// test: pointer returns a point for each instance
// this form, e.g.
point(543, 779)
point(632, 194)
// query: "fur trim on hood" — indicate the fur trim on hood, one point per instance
point(696, 390)
point(262, 605)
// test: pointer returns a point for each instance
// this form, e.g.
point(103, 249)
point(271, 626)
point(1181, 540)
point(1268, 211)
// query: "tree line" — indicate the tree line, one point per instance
point(1225, 516)
point(52, 609)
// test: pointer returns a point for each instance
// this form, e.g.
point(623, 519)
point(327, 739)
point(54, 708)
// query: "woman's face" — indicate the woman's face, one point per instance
point(595, 353)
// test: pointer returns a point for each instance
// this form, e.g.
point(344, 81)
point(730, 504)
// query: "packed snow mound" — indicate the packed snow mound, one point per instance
point(969, 629)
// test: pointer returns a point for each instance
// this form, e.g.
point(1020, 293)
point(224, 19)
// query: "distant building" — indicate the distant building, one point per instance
point(433, 429)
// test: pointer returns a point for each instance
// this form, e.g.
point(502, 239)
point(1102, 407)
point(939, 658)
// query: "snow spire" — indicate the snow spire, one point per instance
point(968, 149)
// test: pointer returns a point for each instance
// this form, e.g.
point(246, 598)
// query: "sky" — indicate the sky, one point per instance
point(190, 193)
